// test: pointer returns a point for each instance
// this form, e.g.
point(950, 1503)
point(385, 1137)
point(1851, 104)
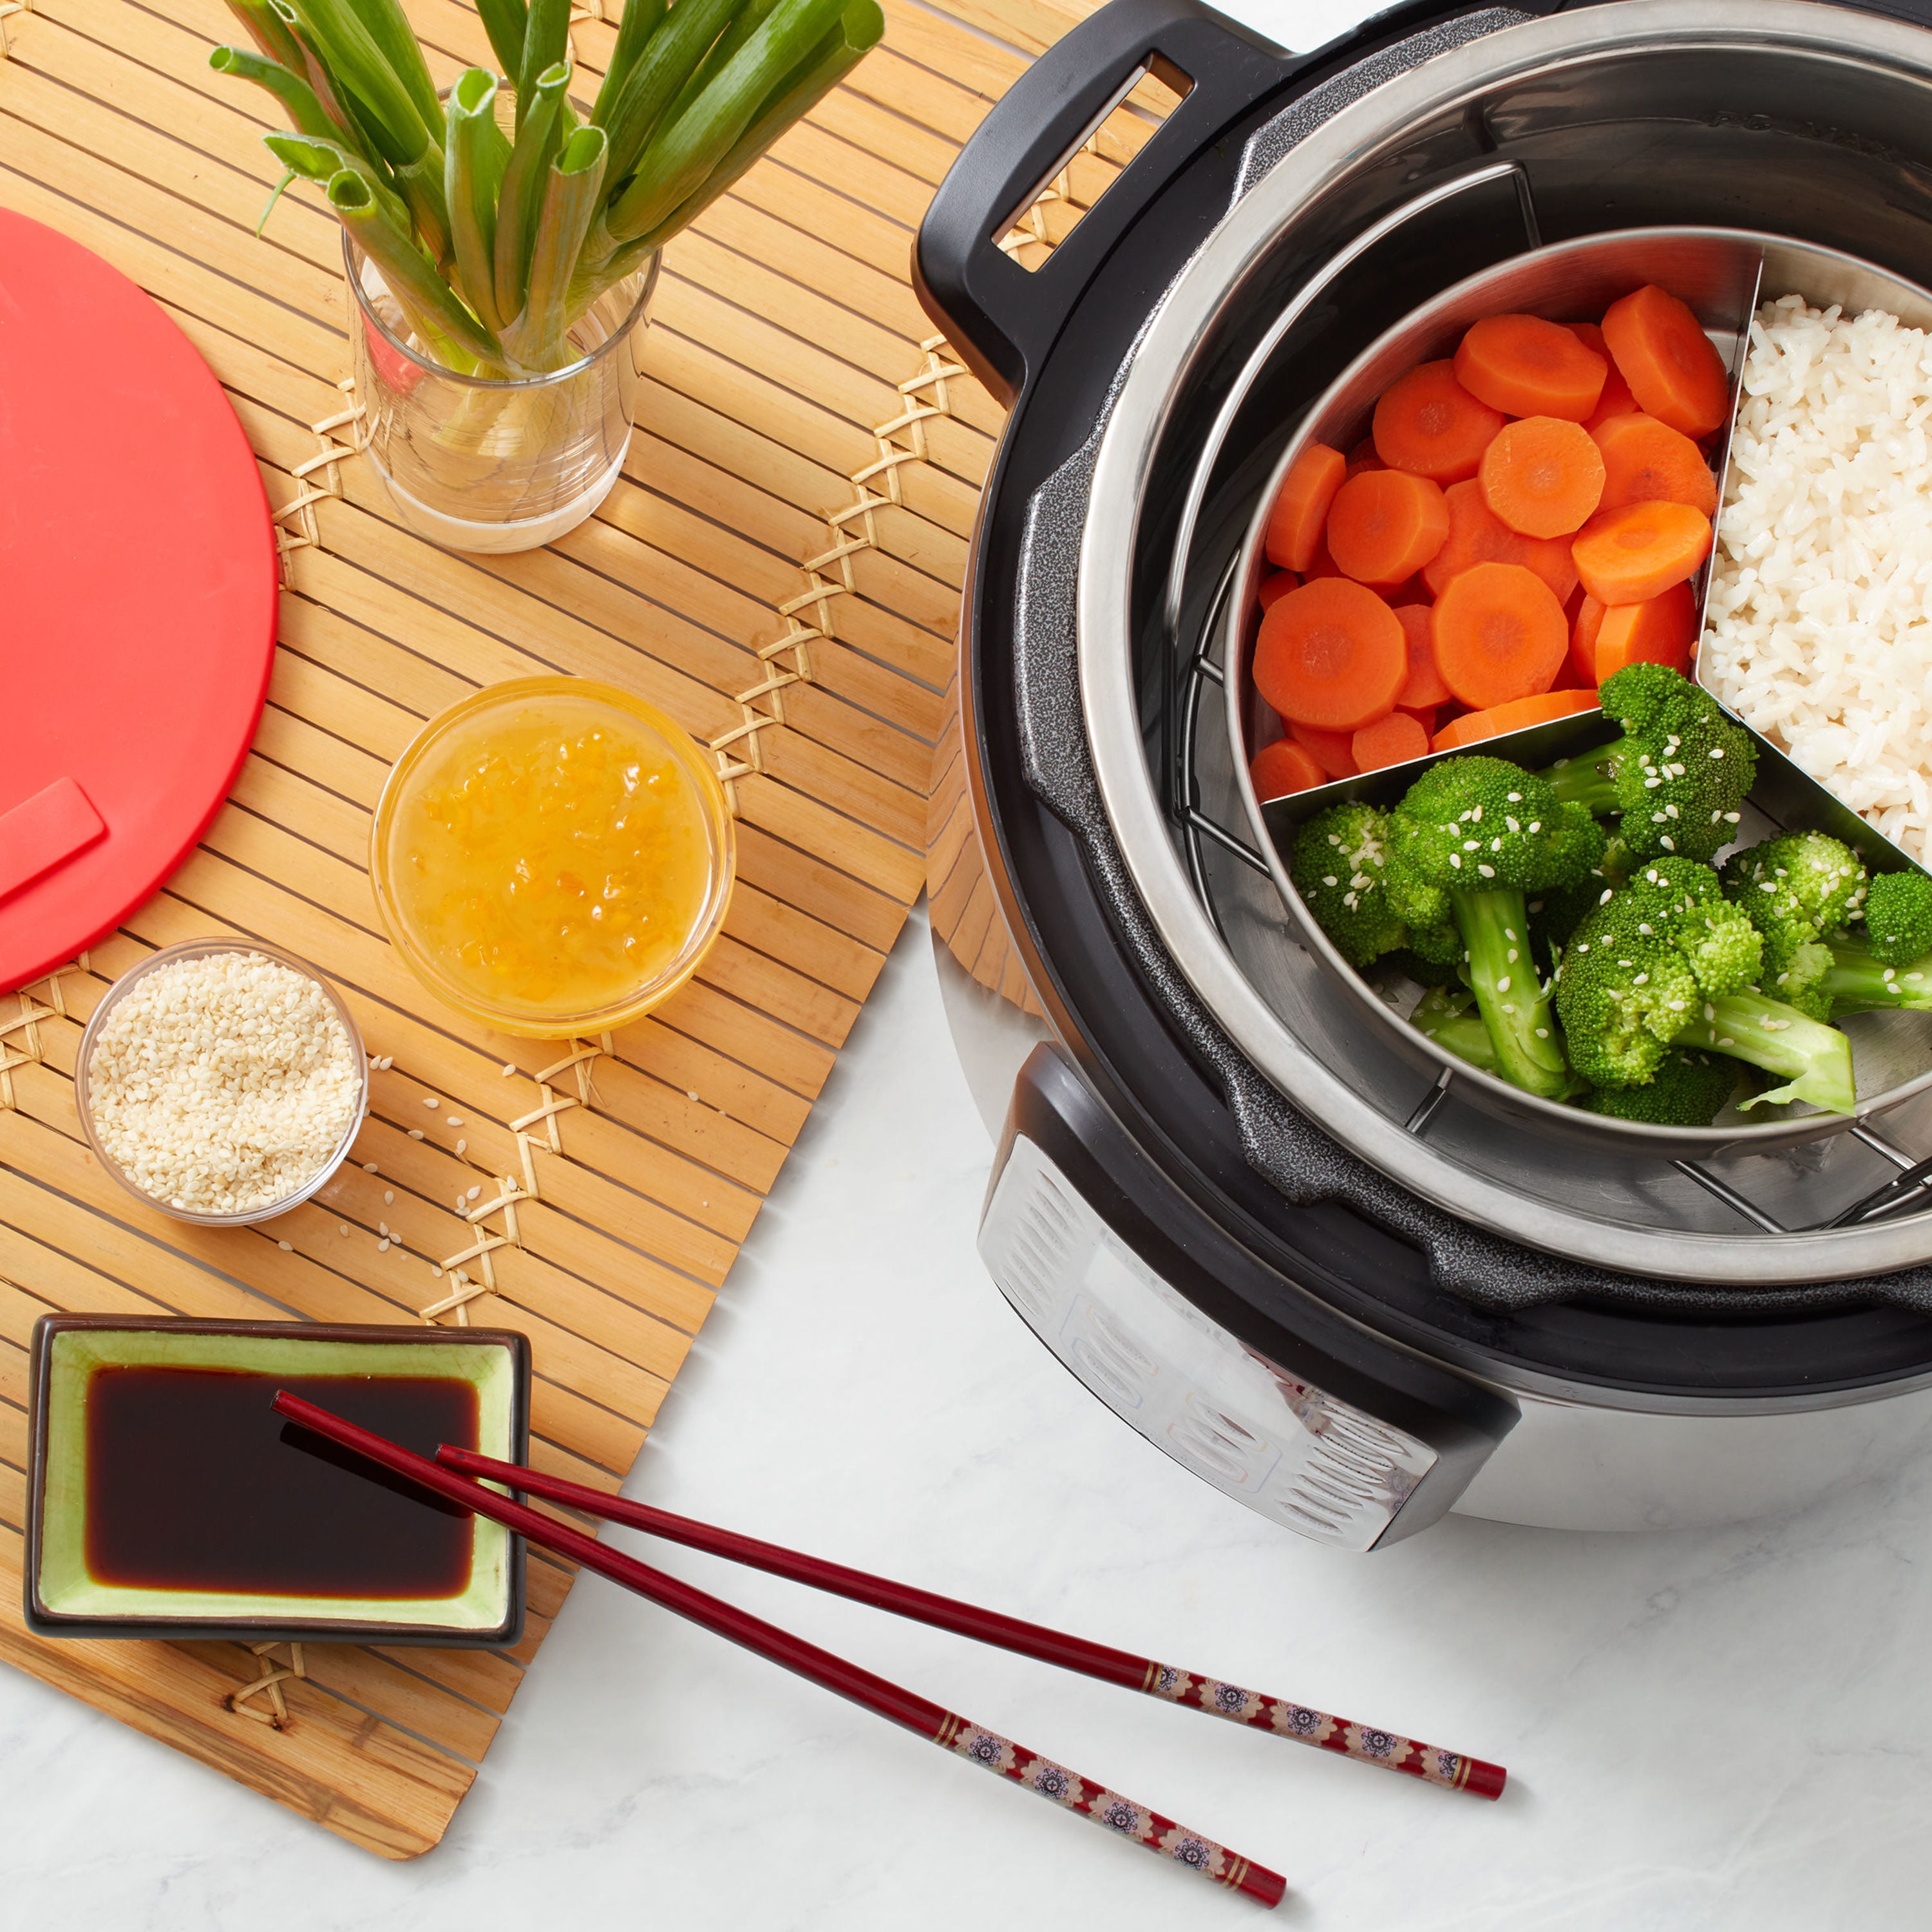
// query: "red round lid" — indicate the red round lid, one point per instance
point(137, 597)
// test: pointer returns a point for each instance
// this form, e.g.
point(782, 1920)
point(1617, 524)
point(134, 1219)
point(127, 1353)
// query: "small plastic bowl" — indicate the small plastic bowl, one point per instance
point(200, 948)
point(524, 699)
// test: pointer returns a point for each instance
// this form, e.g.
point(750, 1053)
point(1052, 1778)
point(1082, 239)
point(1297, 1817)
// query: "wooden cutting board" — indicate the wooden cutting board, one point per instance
point(785, 354)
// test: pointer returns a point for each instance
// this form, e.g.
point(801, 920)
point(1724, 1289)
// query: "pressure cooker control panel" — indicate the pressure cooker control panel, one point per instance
point(1315, 1465)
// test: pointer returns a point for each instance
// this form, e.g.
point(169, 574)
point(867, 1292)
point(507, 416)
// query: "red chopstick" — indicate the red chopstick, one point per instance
point(1066, 1788)
point(1275, 1715)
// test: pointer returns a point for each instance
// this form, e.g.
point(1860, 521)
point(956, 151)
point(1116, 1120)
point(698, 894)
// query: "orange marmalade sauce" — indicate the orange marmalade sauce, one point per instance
point(555, 861)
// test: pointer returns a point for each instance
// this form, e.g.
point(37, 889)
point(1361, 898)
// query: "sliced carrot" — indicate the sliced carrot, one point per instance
point(1543, 476)
point(1389, 741)
point(1323, 564)
point(1276, 583)
point(1476, 535)
point(1646, 461)
point(1526, 367)
point(1330, 654)
point(1668, 361)
point(1385, 524)
point(1516, 715)
point(1412, 590)
point(1329, 749)
point(1283, 767)
point(1629, 555)
point(1423, 686)
point(1295, 523)
point(1424, 715)
point(1363, 457)
point(1616, 400)
point(1429, 424)
point(1584, 626)
point(1569, 677)
point(1658, 630)
point(1499, 635)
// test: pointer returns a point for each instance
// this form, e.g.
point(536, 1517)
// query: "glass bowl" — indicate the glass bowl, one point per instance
point(547, 704)
point(199, 949)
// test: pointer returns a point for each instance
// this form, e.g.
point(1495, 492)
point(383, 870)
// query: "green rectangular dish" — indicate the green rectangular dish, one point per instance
point(65, 1599)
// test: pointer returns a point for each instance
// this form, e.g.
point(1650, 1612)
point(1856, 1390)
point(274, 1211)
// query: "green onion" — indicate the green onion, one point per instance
point(420, 184)
point(750, 15)
point(641, 21)
point(666, 63)
point(546, 42)
point(475, 156)
point(322, 161)
point(382, 103)
point(268, 32)
point(431, 310)
point(681, 154)
point(570, 202)
point(395, 40)
point(505, 22)
point(524, 179)
point(858, 32)
point(293, 92)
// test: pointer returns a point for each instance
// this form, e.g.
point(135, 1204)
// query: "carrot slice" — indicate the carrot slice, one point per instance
point(1323, 565)
point(1499, 635)
point(1543, 476)
point(1646, 461)
point(1329, 749)
point(1476, 535)
point(1474, 726)
point(1583, 629)
point(1276, 583)
point(1385, 524)
point(1424, 715)
point(1526, 367)
point(1658, 630)
point(1616, 400)
point(1283, 767)
point(1429, 424)
point(1411, 590)
point(1389, 741)
point(1423, 686)
point(1330, 654)
point(1629, 555)
point(1295, 523)
point(1363, 457)
point(1668, 361)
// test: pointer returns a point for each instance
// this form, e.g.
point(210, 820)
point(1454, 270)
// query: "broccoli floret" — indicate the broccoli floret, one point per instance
point(1898, 917)
point(1680, 773)
point(1474, 835)
point(1337, 867)
point(1688, 1090)
point(1888, 967)
point(1663, 964)
point(1799, 890)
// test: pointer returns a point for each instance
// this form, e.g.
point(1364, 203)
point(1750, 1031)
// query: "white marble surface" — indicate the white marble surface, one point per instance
point(1714, 1729)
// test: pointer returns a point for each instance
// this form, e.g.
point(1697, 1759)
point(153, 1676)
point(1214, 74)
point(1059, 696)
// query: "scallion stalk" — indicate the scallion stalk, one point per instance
point(669, 58)
point(641, 21)
point(388, 114)
point(321, 161)
point(744, 24)
point(432, 311)
point(395, 40)
point(524, 180)
point(570, 202)
point(546, 42)
point(268, 31)
point(505, 22)
point(420, 184)
point(349, 130)
point(475, 156)
point(680, 154)
point(290, 89)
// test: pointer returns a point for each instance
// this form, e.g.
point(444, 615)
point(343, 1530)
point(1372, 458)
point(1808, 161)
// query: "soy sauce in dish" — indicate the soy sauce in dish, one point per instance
point(194, 1483)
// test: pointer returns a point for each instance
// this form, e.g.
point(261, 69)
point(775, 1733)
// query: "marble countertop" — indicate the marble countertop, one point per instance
point(1704, 1729)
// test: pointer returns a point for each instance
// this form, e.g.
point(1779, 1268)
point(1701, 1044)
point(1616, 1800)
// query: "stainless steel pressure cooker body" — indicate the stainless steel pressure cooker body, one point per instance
point(1323, 1278)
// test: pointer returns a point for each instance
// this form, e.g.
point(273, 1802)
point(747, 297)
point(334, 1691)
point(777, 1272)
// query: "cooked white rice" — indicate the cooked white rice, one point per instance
point(1820, 626)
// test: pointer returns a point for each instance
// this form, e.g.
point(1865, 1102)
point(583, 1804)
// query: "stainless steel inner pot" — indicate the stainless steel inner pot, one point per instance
point(1810, 123)
point(1717, 271)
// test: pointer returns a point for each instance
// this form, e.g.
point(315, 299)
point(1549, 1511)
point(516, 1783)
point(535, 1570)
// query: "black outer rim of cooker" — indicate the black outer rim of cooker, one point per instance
point(1324, 1257)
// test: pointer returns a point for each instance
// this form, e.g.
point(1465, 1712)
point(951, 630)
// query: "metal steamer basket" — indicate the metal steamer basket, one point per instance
point(1258, 361)
point(1720, 272)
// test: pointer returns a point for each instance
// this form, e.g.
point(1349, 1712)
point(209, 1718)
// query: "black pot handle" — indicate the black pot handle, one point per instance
point(1003, 318)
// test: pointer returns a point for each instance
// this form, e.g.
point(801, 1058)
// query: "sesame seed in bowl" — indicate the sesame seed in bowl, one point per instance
point(222, 1081)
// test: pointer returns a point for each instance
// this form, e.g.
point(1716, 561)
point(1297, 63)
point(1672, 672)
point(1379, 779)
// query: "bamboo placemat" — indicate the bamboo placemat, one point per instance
point(779, 568)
